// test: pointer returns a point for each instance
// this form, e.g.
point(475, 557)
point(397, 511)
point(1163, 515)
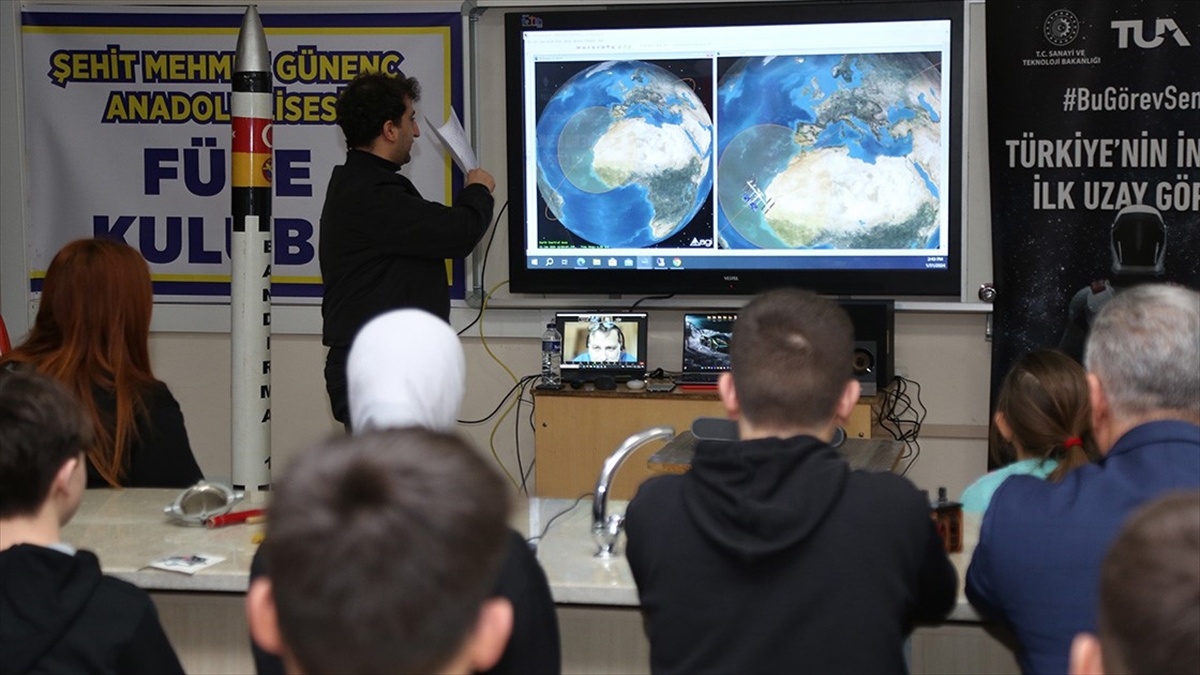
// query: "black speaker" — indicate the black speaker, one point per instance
point(874, 325)
point(865, 365)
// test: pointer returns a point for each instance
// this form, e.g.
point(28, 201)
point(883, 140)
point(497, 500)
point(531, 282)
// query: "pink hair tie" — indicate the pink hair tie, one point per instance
point(1073, 441)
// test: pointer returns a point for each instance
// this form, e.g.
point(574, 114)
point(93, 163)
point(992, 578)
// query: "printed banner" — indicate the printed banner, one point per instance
point(127, 121)
point(1094, 125)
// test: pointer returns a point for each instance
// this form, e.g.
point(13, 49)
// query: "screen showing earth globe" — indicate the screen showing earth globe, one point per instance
point(781, 146)
point(624, 150)
point(835, 151)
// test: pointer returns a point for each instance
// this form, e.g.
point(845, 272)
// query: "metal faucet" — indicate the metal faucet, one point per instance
point(606, 528)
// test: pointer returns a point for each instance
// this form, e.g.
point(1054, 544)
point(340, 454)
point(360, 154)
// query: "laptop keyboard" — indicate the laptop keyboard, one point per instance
point(698, 378)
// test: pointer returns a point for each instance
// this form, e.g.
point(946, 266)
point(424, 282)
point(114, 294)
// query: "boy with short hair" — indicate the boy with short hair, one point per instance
point(771, 554)
point(58, 613)
point(381, 552)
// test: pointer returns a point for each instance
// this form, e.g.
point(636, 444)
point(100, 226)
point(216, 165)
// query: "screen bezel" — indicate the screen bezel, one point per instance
point(566, 322)
point(620, 280)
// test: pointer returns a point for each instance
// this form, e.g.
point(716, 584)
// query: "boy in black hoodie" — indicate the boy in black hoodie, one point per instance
point(58, 613)
point(770, 555)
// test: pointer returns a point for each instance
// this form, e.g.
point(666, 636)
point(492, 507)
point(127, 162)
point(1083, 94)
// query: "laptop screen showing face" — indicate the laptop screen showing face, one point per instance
point(596, 344)
point(706, 343)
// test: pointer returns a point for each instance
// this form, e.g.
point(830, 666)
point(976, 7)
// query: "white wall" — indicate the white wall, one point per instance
point(942, 346)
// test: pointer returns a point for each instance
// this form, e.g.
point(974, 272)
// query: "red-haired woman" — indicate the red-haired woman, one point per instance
point(92, 333)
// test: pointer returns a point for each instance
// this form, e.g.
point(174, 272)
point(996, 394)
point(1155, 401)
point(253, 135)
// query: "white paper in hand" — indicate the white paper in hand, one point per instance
point(454, 139)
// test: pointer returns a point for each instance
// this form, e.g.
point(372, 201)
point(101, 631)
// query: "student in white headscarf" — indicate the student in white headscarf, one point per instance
point(406, 368)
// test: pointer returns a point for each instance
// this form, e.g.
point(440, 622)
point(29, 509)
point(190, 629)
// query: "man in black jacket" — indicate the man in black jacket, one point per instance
point(383, 246)
point(771, 555)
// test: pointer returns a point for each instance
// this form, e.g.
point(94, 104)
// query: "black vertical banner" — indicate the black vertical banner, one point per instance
point(1094, 143)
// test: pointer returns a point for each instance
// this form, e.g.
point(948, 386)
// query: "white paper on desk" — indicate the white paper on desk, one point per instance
point(454, 139)
point(187, 563)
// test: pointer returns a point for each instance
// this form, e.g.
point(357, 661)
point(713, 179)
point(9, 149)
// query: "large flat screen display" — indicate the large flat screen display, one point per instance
point(731, 148)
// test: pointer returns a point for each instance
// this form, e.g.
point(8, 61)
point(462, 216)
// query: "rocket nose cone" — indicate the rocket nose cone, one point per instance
point(252, 54)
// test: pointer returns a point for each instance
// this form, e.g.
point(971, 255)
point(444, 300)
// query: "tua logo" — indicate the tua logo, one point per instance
point(1162, 27)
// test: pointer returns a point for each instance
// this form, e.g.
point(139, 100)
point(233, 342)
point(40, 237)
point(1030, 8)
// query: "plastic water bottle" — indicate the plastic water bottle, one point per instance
point(551, 357)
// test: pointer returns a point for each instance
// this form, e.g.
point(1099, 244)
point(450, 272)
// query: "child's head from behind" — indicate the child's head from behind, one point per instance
point(42, 428)
point(381, 551)
point(1042, 412)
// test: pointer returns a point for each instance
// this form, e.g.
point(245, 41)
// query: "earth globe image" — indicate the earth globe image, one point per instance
point(624, 154)
point(830, 151)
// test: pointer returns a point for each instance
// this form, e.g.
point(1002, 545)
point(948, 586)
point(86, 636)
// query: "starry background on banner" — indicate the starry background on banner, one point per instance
point(1041, 257)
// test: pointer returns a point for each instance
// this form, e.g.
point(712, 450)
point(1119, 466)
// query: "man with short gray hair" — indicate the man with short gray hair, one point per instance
point(1144, 360)
point(1037, 564)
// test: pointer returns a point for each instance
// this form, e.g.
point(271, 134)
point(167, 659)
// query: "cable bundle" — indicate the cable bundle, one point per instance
point(902, 416)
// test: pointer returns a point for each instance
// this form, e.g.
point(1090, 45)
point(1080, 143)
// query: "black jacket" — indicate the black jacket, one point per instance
point(161, 456)
point(772, 556)
point(384, 247)
point(534, 644)
point(59, 614)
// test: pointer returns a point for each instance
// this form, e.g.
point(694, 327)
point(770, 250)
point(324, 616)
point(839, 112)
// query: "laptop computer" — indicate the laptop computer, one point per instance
point(600, 344)
point(705, 348)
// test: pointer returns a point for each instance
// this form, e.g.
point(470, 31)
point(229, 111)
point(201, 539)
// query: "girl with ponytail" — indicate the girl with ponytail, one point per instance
point(1042, 424)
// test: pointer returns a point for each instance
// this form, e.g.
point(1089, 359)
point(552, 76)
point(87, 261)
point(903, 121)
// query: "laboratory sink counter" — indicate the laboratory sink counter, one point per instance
point(597, 599)
point(568, 554)
point(127, 530)
point(576, 576)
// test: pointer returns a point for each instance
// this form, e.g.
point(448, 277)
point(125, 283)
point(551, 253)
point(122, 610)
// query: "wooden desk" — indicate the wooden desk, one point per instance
point(575, 430)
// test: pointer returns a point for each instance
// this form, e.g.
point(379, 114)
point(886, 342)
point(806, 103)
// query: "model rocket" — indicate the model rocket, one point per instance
point(250, 251)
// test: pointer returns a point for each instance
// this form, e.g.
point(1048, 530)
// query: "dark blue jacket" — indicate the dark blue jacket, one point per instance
point(1037, 566)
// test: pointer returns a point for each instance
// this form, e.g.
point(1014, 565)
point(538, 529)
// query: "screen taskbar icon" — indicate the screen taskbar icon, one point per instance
point(626, 262)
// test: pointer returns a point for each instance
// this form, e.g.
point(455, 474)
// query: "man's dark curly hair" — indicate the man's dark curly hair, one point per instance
point(370, 100)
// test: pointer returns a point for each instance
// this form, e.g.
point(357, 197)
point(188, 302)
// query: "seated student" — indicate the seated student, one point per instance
point(1149, 619)
point(1042, 420)
point(92, 333)
point(605, 344)
point(1037, 564)
point(380, 552)
point(58, 613)
point(406, 368)
point(770, 554)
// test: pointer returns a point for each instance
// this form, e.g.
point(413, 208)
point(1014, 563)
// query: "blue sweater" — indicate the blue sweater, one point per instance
point(978, 495)
point(1037, 565)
